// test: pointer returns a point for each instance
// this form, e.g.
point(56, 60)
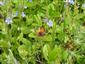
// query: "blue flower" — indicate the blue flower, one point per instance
point(83, 5)
point(23, 14)
point(71, 1)
point(30, 0)
point(50, 23)
point(8, 20)
point(15, 14)
point(1, 3)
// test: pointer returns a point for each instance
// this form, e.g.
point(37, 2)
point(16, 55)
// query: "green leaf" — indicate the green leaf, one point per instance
point(53, 54)
point(56, 52)
point(46, 50)
point(29, 21)
point(31, 4)
point(46, 38)
point(23, 51)
point(32, 35)
point(38, 19)
point(15, 1)
point(10, 58)
point(64, 55)
point(25, 30)
point(42, 1)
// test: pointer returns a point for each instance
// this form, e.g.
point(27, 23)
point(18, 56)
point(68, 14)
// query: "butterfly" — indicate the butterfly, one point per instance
point(41, 31)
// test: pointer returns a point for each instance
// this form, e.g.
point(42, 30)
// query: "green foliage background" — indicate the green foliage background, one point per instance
point(63, 43)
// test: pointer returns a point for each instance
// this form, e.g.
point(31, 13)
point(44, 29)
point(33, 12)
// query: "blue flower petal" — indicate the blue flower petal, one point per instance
point(71, 1)
point(50, 23)
point(8, 20)
point(30, 0)
point(1, 3)
point(83, 5)
point(23, 14)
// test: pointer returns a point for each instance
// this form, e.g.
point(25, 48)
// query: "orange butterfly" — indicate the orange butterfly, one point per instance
point(41, 31)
